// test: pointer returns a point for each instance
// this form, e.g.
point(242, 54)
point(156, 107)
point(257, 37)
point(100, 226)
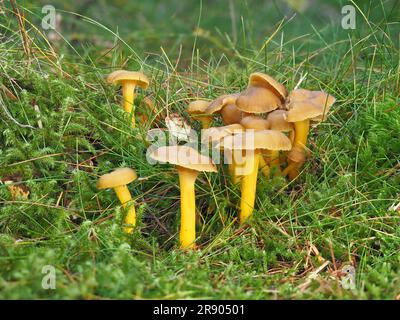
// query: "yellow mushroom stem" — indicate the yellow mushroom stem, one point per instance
point(249, 185)
point(128, 93)
point(264, 167)
point(300, 140)
point(124, 197)
point(187, 233)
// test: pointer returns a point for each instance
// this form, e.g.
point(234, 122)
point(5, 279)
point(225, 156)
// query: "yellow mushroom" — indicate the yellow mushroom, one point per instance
point(189, 163)
point(296, 158)
point(118, 180)
point(197, 110)
point(226, 106)
point(253, 142)
point(305, 106)
point(129, 80)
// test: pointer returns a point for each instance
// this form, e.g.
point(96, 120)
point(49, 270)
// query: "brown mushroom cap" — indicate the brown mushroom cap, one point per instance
point(119, 177)
point(299, 98)
point(231, 114)
point(263, 80)
point(278, 121)
point(251, 140)
point(185, 157)
point(257, 100)
point(254, 122)
point(124, 76)
point(197, 107)
point(217, 133)
point(304, 110)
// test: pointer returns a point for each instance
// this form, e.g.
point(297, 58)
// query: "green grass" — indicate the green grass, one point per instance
point(339, 206)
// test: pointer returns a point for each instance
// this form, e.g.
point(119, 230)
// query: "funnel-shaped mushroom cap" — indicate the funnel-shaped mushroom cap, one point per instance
point(197, 107)
point(297, 155)
point(217, 133)
point(312, 105)
point(251, 140)
point(129, 76)
point(254, 122)
point(257, 100)
point(119, 177)
point(259, 79)
point(184, 156)
point(277, 121)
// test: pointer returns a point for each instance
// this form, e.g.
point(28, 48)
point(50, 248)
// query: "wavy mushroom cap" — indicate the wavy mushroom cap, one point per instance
point(119, 177)
point(218, 133)
point(197, 107)
point(263, 80)
point(129, 76)
point(184, 156)
point(254, 122)
point(257, 100)
point(278, 121)
point(252, 140)
point(321, 100)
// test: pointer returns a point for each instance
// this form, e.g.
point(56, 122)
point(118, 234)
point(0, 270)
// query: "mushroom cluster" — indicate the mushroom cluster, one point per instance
point(272, 133)
point(265, 128)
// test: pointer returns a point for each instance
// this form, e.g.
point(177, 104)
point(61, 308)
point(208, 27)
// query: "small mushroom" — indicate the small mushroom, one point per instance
point(118, 180)
point(188, 163)
point(129, 80)
point(15, 187)
point(296, 158)
point(305, 106)
point(226, 106)
point(278, 122)
point(217, 134)
point(253, 142)
point(263, 94)
point(197, 110)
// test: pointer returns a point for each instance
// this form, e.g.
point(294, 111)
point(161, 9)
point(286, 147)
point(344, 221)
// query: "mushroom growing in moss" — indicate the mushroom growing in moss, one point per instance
point(252, 142)
point(305, 106)
point(188, 164)
point(118, 180)
point(129, 80)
